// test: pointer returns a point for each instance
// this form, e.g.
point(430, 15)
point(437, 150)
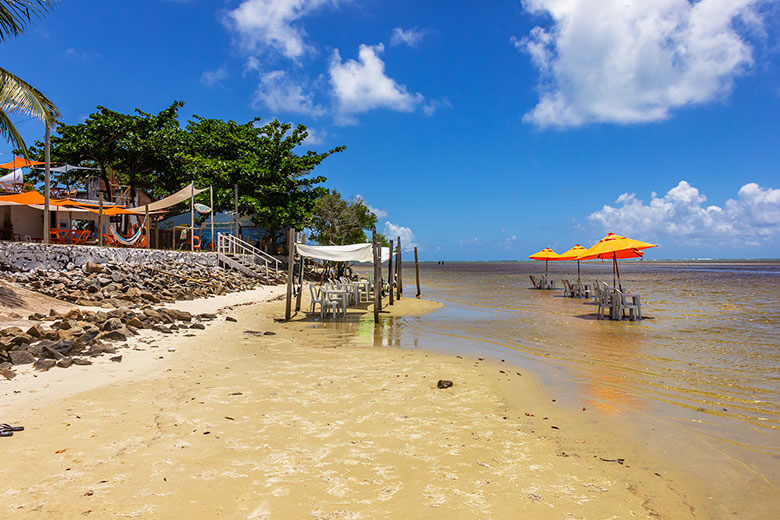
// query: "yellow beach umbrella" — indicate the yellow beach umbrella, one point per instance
point(572, 254)
point(613, 247)
point(545, 254)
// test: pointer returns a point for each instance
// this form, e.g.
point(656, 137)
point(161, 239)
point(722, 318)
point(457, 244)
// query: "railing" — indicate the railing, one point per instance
point(228, 244)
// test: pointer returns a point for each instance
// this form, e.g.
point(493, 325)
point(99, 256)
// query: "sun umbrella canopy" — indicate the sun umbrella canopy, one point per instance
point(615, 246)
point(19, 162)
point(545, 254)
point(572, 253)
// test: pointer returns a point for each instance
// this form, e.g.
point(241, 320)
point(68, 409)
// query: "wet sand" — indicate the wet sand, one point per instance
point(310, 423)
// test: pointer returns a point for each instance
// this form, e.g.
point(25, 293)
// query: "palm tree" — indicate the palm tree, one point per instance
point(16, 95)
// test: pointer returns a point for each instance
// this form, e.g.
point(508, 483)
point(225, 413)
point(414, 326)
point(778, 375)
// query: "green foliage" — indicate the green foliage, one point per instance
point(275, 184)
point(338, 222)
point(141, 150)
point(16, 95)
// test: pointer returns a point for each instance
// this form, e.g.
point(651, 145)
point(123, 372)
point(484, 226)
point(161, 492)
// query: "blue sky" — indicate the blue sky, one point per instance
point(478, 130)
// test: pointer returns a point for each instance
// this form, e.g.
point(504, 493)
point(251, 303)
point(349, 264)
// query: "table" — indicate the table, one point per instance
point(338, 294)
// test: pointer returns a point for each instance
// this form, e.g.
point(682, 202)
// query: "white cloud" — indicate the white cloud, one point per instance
point(411, 37)
point(360, 86)
point(271, 24)
point(213, 77)
point(392, 231)
point(380, 213)
point(630, 62)
point(752, 219)
point(430, 107)
point(315, 137)
point(280, 93)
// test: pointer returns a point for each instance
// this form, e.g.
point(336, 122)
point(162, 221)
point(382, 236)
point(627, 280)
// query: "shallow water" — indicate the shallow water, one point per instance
point(698, 380)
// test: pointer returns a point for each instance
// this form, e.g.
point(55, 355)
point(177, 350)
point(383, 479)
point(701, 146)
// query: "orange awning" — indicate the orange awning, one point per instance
point(20, 162)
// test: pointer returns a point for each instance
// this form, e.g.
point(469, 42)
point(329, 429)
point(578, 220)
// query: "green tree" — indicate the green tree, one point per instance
point(275, 184)
point(140, 150)
point(16, 95)
point(336, 221)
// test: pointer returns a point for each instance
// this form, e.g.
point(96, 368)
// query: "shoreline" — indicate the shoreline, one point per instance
point(309, 422)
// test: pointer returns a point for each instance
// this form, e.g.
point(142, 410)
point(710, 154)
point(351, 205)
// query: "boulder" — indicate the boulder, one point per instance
point(21, 357)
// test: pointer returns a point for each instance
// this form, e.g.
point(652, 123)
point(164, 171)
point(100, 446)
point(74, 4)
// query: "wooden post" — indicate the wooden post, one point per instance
point(211, 206)
point(377, 274)
point(100, 220)
point(235, 197)
point(390, 276)
point(300, 286)
point(47, 185)
point(192, 216)
point(400, 267)
point(146, 223)
point(417, 272)
point(173, 240)
point(290, 262)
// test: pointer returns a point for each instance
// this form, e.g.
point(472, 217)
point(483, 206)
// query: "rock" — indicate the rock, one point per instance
point(116, 359)
point(65, 362)
point(20, 339)
point(7, 373)
point(134, 322)
point(93, 268)
point(230, 318)
point(36, 331)
point(44, 364)
point(112, 324)
point(114, 335)
point(81, 361)
point(198, 325)
point(443, 383)
point(269, 333)
point(21, 357)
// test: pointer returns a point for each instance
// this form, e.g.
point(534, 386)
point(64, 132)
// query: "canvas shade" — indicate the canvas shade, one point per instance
point(19, 162)
point(347, 253)
point(15, 177)
point(171, 200)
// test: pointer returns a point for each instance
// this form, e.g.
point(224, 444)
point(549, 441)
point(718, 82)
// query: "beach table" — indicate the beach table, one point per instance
point(338, 294)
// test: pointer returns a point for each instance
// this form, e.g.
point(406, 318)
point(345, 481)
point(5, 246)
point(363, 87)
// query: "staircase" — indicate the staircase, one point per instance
point(234, 253)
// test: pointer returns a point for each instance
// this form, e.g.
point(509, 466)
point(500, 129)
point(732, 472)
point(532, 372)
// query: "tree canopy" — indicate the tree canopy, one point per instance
point(336, 221)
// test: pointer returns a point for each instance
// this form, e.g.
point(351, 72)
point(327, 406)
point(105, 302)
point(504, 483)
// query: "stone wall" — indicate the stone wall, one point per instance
point(26, 256)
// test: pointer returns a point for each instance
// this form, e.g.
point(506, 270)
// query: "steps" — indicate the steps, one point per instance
point(234, 253)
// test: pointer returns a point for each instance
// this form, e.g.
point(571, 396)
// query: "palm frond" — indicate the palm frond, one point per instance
point(18, 96)
point(8, 130)
point(15, 15)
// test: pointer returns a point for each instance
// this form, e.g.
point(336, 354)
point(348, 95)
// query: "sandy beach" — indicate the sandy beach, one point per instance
point(307, 422)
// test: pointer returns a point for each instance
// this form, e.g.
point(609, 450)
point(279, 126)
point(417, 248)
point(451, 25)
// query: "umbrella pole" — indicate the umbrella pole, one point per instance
point(617, 269)
point(578, 272)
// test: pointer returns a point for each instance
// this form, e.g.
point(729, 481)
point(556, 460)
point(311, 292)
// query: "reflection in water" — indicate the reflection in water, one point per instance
point(703, 368)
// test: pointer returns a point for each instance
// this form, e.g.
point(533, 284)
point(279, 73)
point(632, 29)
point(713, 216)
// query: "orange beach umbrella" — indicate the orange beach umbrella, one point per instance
point(19, 162)
point(545, 254)
point(613, 247)
point(572, 254)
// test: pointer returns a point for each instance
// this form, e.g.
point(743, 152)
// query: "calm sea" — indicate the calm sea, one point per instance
point(698, 378)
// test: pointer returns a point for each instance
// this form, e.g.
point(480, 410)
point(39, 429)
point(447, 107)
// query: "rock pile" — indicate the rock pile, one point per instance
point(116, 285)
point(74, 337)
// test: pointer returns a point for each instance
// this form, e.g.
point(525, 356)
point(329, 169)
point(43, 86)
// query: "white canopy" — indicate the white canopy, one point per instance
point(15, 177)
point(348, 253)
point(171, 200)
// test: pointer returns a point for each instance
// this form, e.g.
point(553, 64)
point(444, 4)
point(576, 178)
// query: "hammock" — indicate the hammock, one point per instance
point(131, 240)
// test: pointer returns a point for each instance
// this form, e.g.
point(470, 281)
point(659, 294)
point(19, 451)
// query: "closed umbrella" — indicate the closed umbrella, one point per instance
point(613, 247)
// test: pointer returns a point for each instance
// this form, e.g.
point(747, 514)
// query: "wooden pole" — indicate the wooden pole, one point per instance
point(211, 205)
point(146, 223)
point(100, 220)
point(235, 197)
point(192, 216)
point(156, 233)
point(377, 275)
point(390, 277)
point(400, 270)
point(290, 262)
point(417, 272)
point(300, 285)
point(47, 185)
point(173, 241)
